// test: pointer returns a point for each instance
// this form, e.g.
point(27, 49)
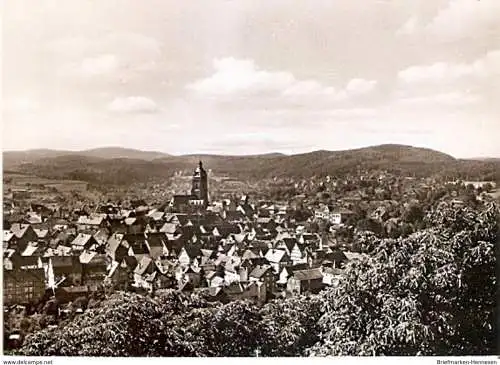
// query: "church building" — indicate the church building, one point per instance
point(198, 199)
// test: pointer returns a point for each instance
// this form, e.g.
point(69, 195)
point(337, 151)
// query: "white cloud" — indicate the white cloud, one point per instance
point(116, 55)
point(452, 99)
point(409, 27)
point(133, 104)
point(445, 72)
point(99, 65)
point(360, 86)
point(242, 77)
point(466, 19)
point(309, 87)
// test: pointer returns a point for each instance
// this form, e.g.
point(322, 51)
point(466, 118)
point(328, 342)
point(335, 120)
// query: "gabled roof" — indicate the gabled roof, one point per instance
point(129, 261)
point(163, 266)
point(234, 288)
point(168, 228)
point(156, 239)
point(246, 209)
point(9, 252)
point(212, 291)
point(135, 240)
point(275, 256)
point(113, 242)
point(232, 215)
point(186, 286)
point(31, 248)
point(86, 256)
point(193, 250)
point(101, 236)
point(336, 256)
point(192, 270)
point(41, 233)
point(62, 261)
point(156, 216)
point(19, 229)
point(264, 220)
point(239, 237)
point(310, 274)
point(354, 255)
point(259, 271)
point(82, 239)
point(129, 221)
point(207, 253)
point(249, 255)
point(289, 243)
point(143, 265)
point(332, 271)
point(93, 220)
point(7, 235)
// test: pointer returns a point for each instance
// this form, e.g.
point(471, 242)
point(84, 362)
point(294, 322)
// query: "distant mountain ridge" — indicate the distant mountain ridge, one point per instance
point(119, 166)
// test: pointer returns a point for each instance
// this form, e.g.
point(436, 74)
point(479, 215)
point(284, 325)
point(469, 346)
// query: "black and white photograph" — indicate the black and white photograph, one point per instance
point(250, 178)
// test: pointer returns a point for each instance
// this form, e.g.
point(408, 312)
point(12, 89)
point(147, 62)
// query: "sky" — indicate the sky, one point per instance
point(251, 76)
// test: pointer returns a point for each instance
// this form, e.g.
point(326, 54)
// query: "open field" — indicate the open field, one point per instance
point(20, 181)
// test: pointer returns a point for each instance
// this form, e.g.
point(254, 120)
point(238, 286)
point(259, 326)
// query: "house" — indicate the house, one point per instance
point(264, 274)
point(42, 233)
point(188, 254)
point(83, 241)
point(136, 245)
point(157, 244)
point(231, 273)
point(94, 267)
point(337, 258)
point(142, 273)
point(66, 270)
point(215, 279)
point(66, 294)
point(121, 273)
point(256, 291)
point(302, 281)
point(114, 248)
point(192, 274)
point(23, 233)
point(9, 239)
point(101, 236)
point(23, 286)
point(277, 259)
point(234, 291)
point(287, 272)
point(334, 216)
point(339, 216)
point(164, 280)
point(33, 249)
point(92, 222)
point(212, 294)
point(331, 276)
point(351, 256)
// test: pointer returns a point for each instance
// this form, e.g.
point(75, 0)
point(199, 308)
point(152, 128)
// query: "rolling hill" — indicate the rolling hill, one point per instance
point(15, 158)
point(102, 166)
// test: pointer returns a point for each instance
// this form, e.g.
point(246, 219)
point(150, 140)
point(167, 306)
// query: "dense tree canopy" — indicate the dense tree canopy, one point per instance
point(431, 293)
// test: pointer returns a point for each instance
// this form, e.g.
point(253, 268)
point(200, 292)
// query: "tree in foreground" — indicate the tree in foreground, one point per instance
point(432, 293)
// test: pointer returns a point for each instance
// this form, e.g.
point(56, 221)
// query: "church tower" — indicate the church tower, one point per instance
point(200, 184)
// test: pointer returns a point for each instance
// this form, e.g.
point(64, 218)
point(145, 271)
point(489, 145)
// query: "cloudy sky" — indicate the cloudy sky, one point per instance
point(252, 76)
